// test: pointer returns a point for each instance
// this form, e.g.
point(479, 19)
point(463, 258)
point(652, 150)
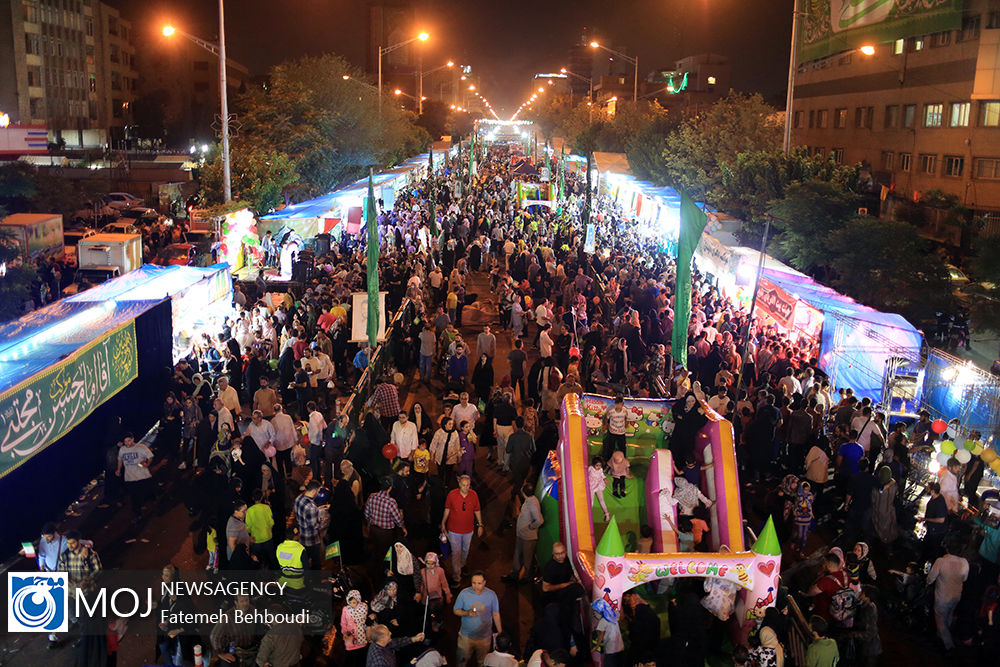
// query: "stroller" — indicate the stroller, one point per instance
point(913, 604)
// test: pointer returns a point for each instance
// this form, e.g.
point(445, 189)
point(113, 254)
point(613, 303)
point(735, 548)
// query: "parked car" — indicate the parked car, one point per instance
point(178, 254)
point(95, 213)
point(74, 235)
point(122, 200)
point(120, 226)
point(140, 215)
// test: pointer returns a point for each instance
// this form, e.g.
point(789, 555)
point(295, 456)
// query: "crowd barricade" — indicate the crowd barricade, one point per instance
point(800, 633)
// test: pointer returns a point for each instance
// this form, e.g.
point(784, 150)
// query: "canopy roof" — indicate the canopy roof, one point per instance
point(43, 337)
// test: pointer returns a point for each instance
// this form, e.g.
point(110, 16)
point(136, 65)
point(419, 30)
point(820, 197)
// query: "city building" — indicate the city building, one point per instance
point(392, 22)
point(178, 100)
point(921, 113)
point(581, 62)
point(67, 65)
point(694, 84)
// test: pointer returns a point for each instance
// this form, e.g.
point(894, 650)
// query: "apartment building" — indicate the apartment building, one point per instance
point(68, 66)
point(922, 112)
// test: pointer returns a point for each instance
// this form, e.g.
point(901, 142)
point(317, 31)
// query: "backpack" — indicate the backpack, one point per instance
point(844, 605)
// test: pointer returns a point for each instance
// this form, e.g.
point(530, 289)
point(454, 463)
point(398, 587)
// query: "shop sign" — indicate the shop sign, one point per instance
point(777, 303)
point(40, 410)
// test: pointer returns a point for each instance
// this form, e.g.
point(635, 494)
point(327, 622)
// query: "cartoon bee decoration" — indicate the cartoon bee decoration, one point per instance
point(741, 572)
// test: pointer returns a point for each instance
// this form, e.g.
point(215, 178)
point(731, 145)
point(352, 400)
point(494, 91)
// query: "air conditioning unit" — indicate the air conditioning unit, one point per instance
point(862, 211)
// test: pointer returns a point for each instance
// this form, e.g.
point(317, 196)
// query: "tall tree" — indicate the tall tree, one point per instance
point(806, 217)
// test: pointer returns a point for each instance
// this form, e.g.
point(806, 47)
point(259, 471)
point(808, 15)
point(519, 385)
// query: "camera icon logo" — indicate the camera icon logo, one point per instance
point(36, 602)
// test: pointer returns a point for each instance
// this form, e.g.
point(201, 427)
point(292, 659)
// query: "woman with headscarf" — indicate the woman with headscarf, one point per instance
point(688, 420)
point(884, 506)
point(608, 635)
point(482, 377)
point(347, 519)
point(385, 606)
point(769, 653)
point(446, 449)
point(354, 628)
point(170, 427)
point(202, 393)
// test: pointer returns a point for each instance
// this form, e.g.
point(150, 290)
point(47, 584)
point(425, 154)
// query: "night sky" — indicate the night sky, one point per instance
point(505, 41)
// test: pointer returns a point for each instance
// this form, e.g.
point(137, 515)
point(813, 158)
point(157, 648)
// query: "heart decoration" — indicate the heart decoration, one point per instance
point(614, 569)
point(599, 581)
point(600, 567)
point(766, 568)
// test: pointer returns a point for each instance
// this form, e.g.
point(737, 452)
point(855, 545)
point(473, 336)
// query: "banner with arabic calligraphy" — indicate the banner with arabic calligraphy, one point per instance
point(834, 26)
point(35, 413)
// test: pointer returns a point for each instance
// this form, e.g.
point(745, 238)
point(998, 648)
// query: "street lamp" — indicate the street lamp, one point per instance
point(634, 61)
point(220, 51)
point(423, 37)
point(420, 88)
point(590, 82)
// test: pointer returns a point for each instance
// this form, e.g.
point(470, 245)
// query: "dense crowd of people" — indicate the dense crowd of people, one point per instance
point(388, 495)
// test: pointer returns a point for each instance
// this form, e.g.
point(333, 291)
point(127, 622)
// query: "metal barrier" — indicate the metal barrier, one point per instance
point(378, 363)
point(800, 633)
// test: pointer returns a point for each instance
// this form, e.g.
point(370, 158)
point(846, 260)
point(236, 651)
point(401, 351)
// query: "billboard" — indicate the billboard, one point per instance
point(24, 140)
point(833, 26)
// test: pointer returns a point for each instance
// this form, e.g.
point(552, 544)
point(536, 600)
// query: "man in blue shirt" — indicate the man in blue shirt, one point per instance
point(479, 610)
point(50, 547)
point(847, 459)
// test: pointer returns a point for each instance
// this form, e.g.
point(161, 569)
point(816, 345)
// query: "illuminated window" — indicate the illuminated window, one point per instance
point(932, 115)
point(989, 114)
point(917, 44)
point(905, 161)
point(840, 117)
point(953, 165)
point(960, 114)
point(928, 164)
point(711, 80)
point(898, 46)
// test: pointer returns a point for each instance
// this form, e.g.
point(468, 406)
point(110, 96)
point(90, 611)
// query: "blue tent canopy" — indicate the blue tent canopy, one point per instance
point(857, 340)
point(43, 337)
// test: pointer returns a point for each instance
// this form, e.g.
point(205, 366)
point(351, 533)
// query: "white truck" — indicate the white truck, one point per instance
point(104, 256)
point(37, 234)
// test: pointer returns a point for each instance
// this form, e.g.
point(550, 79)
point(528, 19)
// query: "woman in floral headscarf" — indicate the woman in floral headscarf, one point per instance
point(385, 608)
point(354, 628)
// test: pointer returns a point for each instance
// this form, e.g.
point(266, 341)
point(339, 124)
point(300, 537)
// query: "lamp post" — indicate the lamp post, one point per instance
point(590, 81)
point(220, 51)
point(792, 65)
point(420, 91)
point(423, 37)
point(634, 61)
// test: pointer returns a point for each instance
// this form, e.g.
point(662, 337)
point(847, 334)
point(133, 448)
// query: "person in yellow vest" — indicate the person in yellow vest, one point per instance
point(260, 524)
point(289, 555)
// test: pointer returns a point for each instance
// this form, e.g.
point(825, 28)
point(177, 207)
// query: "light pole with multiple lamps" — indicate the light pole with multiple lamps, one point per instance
point(420, 91)
point(382, 50)
point(634, 61)
point(590, 82)
point(220, 51)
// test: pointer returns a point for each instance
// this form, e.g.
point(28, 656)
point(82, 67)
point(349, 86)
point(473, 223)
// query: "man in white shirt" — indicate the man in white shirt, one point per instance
point(261, 431)
point(790, 384)
point(544, 343)
point(404, 435)
point(229, 397)
point(948, 574)
point(464, 411)
point(285, 436)
point(543, 315)
point(225, 416)
point(317, 425)
point(949, 485)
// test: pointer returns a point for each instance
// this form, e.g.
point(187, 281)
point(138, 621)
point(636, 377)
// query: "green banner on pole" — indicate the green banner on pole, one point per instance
point(333, 550)
point(834, 26)
point(372, 268)
point(40, 410)
point(692, 225)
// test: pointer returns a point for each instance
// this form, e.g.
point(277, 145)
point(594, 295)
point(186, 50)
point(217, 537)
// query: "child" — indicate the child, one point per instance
point(421, 464)
point(618, 467)
point(802, 511)
point(684, 530)
point(690, 471)
point(212, 546)
point(597, 483)
point(866, 569)
point(645, 543)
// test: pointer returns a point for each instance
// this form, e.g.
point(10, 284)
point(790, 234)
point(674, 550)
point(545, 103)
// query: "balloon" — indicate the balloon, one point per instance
point(996, 466)
point(971, 445)
point(273, 363)
point(942, 458)
point(939, 426)
point(948, 447)
point(978, 449)
point(963, 455)
point(390, 451)
point(989, 456)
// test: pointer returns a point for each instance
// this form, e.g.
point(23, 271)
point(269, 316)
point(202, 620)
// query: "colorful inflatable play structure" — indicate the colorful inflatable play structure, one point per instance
point(611, 566)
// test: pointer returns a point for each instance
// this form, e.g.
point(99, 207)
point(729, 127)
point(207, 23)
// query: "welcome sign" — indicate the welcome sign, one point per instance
point(833, 26)
point(37, 412)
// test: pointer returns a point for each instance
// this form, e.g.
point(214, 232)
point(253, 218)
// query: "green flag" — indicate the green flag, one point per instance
point(472, 158)
point(372, 268)
point(562, 169)
point(433, 193)
point(388, 555)
point(547, 165)
point(333, 551)
point(692, 225)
